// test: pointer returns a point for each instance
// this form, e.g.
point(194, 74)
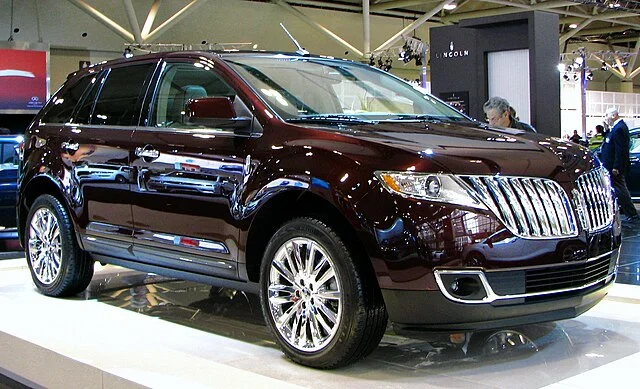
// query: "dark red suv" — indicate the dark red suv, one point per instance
point(334, 190)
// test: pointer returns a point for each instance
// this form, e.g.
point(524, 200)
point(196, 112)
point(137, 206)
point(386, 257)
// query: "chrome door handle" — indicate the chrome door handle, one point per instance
point(147, 153)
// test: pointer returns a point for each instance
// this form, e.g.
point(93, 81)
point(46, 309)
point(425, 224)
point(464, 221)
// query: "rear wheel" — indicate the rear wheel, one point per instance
point(316, 299)
point(58, 266)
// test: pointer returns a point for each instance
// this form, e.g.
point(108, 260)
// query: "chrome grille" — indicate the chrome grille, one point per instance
point(594, 200)
point(528, 207)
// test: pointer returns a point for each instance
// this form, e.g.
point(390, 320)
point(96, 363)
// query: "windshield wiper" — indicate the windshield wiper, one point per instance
point(331, 118)
point(423, 118)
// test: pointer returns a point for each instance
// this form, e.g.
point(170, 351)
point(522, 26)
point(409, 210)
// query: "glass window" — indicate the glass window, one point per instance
point(61, 107)
point(123, 89)
point(83, 114)
point(179, 83)
point(634, 146)
point(302, 88)
point(8, 155)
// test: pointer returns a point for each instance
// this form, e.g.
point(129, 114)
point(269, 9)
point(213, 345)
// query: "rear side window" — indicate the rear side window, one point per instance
point(61, 107)
point(121, 95)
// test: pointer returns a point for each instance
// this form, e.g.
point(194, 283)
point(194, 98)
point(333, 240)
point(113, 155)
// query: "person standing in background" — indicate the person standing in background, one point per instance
point(615, 158)
point(596, 140)
point(575, 138)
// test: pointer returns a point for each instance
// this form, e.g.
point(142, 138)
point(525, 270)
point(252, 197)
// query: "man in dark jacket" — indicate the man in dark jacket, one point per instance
point(615, 157)
point(498, 112)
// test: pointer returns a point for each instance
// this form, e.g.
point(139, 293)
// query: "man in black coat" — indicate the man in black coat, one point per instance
point(615, 158)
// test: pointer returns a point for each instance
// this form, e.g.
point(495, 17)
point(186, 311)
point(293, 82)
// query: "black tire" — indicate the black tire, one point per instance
point(341, 304)
point(58, 266)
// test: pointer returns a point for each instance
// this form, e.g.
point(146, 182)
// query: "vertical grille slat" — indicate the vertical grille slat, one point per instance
point(594, 199)
point(548, 206)
point(523, 226)
point(528, 207)
point(540, 208)
point(540, 214)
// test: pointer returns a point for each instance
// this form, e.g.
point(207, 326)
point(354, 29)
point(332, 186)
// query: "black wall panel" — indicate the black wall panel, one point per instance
point(459, 61)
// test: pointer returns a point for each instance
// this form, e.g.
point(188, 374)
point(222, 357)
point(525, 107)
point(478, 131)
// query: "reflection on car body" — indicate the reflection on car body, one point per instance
point(104, 172)
point(189, 182)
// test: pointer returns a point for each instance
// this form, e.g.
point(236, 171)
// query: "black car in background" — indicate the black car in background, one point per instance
point(9, 157)
point(633, 179)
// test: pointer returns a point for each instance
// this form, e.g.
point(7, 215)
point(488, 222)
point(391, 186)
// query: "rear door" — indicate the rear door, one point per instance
point(187, 176)
point(96, 147)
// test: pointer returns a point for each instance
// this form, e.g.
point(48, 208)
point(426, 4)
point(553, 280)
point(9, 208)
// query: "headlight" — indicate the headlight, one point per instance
point(444, 188)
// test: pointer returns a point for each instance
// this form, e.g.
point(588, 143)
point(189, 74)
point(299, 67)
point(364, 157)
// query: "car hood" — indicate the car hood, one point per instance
point(471, 149)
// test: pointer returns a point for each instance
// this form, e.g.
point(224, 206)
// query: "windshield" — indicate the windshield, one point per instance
point(316, 88)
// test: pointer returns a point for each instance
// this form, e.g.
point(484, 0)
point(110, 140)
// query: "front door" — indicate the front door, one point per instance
point(186, 178)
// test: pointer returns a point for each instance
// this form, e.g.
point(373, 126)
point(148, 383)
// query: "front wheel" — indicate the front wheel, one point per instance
point(317, 300)
point(58, 266)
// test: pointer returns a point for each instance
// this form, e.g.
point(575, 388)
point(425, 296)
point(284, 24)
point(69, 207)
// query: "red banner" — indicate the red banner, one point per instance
point(23, 79)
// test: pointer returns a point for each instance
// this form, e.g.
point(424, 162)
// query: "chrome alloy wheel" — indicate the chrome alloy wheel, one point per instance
point(304, 294)
point(45, 246)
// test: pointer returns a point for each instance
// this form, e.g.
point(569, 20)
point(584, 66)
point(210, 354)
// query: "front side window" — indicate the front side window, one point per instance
point(179, 83)
point(298, 88)
point(121, 95)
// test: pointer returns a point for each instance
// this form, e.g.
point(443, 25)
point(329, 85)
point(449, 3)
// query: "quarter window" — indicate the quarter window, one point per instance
point(61, 107)
point(179, 83)
point(121, 95)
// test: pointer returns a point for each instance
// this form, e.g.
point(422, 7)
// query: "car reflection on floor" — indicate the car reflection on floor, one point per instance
point(238, 315)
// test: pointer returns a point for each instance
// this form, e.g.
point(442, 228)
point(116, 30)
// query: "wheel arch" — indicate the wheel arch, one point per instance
point(293, 204)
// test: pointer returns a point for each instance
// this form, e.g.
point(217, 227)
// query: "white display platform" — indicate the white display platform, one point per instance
point(64, 343)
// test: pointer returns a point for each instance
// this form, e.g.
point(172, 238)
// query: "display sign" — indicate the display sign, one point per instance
point(458, 100)
point(23, 80)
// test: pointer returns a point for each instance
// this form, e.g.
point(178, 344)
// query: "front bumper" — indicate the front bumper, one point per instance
point(431, 310)
point(439, 310)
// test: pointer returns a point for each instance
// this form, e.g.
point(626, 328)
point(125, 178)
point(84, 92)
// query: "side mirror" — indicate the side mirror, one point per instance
point(215, 112)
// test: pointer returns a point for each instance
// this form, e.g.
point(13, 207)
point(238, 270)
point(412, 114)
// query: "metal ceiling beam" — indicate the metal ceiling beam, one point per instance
point(366, 27)
point(105, 20)
point(602, 31)
point(350, 7)
point(133, 20)
point(632, 60)
point(417, 23)
point(397, 4)
point(317, 25)
point(151, 17)
point(175, 19)
point(574, 31)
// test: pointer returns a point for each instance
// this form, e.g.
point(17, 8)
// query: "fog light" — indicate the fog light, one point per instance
point(465, 286)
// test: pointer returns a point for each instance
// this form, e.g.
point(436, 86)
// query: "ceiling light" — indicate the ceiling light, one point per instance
point(573, 25)
point(450, 6)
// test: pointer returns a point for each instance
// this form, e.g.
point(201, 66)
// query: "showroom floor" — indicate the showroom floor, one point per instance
point(133, 329)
